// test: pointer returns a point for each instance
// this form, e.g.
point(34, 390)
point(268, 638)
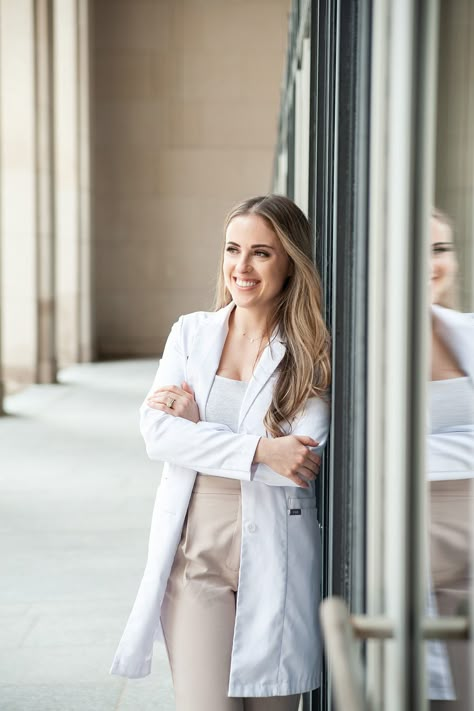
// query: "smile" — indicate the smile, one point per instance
point(245, 284)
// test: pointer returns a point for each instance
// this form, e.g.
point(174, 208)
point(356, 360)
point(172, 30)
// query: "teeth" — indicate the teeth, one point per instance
point(239, 282)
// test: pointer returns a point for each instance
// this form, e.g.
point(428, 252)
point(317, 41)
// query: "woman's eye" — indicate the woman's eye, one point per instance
point(442, 250)
point(262, 254)
point(232, 250)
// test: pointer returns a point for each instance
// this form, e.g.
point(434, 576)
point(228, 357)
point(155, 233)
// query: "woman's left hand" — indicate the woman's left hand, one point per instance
point(175, 401)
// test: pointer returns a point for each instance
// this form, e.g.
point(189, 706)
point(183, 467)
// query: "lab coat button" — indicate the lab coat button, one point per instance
point(251, 527)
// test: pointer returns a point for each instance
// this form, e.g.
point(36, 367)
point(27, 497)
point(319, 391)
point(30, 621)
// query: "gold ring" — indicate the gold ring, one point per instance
point(170, 402)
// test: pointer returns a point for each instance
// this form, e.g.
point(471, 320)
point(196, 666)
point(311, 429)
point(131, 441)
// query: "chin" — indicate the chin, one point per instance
point(242, 301)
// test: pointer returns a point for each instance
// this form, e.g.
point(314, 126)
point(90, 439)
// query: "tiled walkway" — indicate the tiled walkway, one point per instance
point(76, 494)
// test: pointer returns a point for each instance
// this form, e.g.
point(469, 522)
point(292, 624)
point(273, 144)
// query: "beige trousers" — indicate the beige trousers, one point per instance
point(451, 540)
point(198, 611)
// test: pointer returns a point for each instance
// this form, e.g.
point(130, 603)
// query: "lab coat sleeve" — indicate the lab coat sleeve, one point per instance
point(313, 422)
point(206, 447)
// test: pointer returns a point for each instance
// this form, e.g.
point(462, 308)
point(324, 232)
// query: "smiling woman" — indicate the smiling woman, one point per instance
point(444, 264)
point(238, 412)
point(255, 264)
point(275, 250)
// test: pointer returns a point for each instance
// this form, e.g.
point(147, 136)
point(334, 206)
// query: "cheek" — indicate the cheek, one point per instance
point(447, 268)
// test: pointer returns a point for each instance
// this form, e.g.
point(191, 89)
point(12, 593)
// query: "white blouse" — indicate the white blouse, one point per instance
point(451, 437)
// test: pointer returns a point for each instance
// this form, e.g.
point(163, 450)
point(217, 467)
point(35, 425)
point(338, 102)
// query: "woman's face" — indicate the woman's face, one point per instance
point(443, 263)
point(255, 264)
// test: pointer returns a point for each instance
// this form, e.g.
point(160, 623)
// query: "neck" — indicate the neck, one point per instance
point(249, 322)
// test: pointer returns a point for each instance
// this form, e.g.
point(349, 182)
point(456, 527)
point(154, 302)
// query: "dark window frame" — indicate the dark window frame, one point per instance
point(338, 210)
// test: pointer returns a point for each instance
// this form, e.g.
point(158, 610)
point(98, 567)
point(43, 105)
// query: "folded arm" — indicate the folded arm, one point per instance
point(212, 448)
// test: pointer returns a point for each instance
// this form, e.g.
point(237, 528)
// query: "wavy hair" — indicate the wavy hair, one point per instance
point(305, 369)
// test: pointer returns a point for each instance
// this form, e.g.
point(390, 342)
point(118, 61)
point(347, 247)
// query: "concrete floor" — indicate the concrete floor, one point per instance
point(76, 495)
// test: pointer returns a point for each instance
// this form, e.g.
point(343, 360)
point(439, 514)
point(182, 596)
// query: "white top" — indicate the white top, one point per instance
point(224, 401)
point(451, 438)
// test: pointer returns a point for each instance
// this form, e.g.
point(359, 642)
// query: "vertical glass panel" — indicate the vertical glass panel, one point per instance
point(450, 451)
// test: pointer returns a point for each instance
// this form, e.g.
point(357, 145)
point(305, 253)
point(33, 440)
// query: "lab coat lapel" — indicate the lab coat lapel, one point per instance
point(206, 354)
point(457, 330)
point(266, 366)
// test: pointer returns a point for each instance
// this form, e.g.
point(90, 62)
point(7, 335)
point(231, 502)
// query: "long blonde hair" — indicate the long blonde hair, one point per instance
point(306, 366)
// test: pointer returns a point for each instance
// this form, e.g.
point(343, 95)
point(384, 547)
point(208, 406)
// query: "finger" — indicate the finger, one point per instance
point(310, 463)
point(162, 407)
point(299, 481)
point(170, 389)
point(164, 398)
point(309, 482)
point(161, 397)
point(312, 457)
point(308, 441)
point(309, 472)
point(173, 391)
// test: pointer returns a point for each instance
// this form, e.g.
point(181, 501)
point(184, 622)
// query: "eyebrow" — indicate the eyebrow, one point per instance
point(439, 244)
point(267, 246)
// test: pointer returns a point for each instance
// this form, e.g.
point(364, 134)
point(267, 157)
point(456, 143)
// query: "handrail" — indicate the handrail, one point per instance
point(341, 630)
point(340, 652)
point(445, 628)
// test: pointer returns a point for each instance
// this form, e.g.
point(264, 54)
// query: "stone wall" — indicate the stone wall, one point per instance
point(186, 99)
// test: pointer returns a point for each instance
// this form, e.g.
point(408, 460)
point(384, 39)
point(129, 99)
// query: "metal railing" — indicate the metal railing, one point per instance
point(341, 630)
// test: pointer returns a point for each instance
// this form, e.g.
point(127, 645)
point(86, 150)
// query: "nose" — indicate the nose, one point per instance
point(243, 264)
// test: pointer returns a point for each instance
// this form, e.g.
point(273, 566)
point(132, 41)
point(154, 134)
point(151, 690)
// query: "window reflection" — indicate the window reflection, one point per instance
point(450, 450)
point(449, 462)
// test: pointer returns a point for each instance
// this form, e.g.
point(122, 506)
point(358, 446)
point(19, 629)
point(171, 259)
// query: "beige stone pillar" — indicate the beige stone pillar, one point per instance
point(2, 387)
point(18, 215)
point(86, 261)
point(45, 190)
point(72, 171)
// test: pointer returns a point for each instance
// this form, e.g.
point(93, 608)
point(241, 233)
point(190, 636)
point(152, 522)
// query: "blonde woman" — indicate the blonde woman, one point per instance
point(238, 412)
point(450, 456)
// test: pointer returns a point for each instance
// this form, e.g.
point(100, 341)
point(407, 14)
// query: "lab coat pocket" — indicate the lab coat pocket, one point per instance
point(301, 628)
point(304, 550)
point(296, 504)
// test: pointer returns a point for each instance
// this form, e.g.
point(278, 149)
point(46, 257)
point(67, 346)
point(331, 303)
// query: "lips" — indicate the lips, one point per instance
point(245, 283)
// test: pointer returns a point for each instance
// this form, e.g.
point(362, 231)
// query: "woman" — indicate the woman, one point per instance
point(450, 455)
point(237, 411)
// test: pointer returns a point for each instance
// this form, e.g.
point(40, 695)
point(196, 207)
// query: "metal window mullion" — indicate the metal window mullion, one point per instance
point(375, 344)
point(397, 347)
point(408, 192)
point(423, 132)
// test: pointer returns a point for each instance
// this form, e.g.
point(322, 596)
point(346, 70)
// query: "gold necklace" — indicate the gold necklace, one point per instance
point(252, 340)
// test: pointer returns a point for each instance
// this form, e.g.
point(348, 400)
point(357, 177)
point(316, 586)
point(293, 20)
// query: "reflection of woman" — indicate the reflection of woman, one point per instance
point(451, 448)
point(233, 566)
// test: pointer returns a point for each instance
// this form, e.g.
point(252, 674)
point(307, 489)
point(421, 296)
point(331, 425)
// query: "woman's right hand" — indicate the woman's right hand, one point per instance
point(290, 457)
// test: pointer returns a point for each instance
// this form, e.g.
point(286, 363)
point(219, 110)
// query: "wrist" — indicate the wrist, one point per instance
point(262, 451)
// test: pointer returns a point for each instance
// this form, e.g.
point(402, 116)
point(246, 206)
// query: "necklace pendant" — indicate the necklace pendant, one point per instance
point(251, 340)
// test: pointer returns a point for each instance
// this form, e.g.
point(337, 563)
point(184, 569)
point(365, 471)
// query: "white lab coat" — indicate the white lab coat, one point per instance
point(457, 331)
point(277, 644)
